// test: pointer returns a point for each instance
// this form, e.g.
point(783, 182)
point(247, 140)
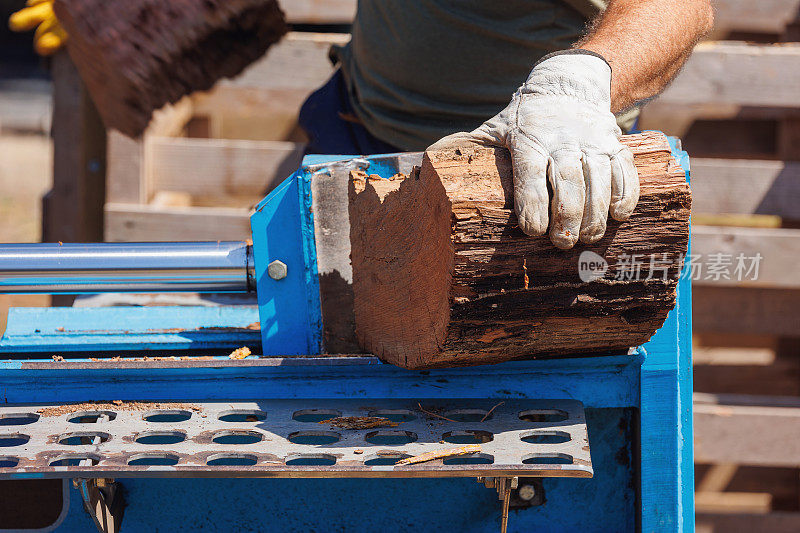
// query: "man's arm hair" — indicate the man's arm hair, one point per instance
point(646, 42)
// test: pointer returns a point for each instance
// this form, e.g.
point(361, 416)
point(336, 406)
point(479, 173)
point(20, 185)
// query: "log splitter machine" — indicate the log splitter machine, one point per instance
point(115, 399)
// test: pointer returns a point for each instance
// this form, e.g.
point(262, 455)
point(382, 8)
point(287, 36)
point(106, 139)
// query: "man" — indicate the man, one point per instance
point(422, 72)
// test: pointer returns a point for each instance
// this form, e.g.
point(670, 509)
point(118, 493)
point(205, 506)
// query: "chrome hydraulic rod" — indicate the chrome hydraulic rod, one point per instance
point(45, 268)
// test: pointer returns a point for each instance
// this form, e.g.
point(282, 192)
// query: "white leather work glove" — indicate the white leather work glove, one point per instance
point(559, 127)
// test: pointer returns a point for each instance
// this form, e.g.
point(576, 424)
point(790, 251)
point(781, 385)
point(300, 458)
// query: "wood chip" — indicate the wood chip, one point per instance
point(440, 454)
point(488, 414)
point(240, 353)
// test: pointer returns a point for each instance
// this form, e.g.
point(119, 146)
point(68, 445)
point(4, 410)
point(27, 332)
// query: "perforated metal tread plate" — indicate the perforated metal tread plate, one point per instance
point(283, 438)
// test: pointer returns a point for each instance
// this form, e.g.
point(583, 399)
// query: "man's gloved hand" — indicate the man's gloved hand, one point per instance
point(559, 127)
point(49, 36)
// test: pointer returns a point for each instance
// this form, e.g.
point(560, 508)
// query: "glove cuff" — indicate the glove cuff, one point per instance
point(572, 51)
point(575, 73)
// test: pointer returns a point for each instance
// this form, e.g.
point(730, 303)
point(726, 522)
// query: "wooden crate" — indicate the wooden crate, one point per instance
point(204, 162)
point(735, 105)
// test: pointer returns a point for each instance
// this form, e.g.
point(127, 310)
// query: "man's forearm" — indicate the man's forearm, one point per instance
point(646, 42)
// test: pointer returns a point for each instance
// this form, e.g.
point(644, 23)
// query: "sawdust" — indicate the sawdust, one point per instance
point(58, 358)
point(359, 422)
point(114, 405)
point(240, 353)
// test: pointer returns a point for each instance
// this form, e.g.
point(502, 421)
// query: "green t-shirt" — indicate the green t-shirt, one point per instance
point(418, 70)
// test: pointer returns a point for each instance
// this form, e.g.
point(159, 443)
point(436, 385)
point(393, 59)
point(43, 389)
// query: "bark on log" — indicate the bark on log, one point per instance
point(135, 56)
point(443, 276)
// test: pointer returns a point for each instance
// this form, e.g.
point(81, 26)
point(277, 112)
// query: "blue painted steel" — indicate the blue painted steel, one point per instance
point(58, 330)
point(650, 390)
point(289, 309)
point(667, 469)
point(600, 382)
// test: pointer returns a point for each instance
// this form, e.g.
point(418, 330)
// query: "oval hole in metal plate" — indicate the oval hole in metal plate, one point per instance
point(18, 419)
point(153, 459)
point(167, 415)
point(8, 440)
point(384, 459)
point(234, 436)
point(394, 415)
point(83, 438)
point(91, 417)
point(468, 415)
point(7, 461)
point(311, 459)
point(314, 438)
point(390, 437)
point(547, 459)
point(468, 436)
point(470, 459)
point(315, 415)
point(231, 459)
point(75, 459)
point(545, 437)
point(160, 437)
point(242, 415)
point(543, 415)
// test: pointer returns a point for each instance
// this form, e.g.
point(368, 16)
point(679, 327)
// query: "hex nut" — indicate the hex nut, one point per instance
point(277, 270)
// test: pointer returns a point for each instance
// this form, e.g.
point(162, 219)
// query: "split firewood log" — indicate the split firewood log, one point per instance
point(443, 276)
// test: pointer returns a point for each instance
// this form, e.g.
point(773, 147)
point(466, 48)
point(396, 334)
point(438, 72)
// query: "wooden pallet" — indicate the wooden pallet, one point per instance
point(204, 162)
point(735, 105)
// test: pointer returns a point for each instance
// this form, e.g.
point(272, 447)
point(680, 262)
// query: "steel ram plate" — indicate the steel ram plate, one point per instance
point(295, 438)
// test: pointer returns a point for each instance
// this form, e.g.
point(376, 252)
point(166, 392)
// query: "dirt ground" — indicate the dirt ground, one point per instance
point(25, 175)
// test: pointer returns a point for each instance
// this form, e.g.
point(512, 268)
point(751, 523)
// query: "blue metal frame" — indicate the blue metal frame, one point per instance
point(289, 309)
point(648, 487)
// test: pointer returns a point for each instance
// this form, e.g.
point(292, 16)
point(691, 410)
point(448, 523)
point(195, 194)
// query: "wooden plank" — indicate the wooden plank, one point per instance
point(132, 223)
point(716, 478)
point(73, 209)
point(789, 138)
point(263, 103)
point(779, 249)
point(778, 522)
point(727, 430)
point(765, 16)
point(129, 179)
point(752, 310)
point(125, 181)
point(319, 11)
point(299, 61)
point(251, 113)
point(677, 119)
point(740, 186)
point(221, 166)
point(782, 377)
point(170, 120)
point(736, 73)
point(741, 502)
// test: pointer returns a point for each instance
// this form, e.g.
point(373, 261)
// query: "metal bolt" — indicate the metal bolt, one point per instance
point(277, 270)
point(527, 492)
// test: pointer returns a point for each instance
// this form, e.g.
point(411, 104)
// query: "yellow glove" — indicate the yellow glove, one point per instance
point(49, 35)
